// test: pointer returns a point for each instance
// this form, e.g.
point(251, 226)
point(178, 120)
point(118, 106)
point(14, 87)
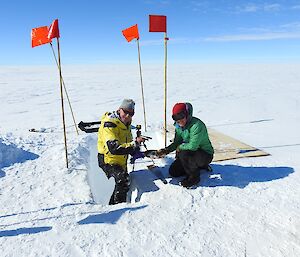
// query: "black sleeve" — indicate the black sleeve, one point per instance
point(115, 148)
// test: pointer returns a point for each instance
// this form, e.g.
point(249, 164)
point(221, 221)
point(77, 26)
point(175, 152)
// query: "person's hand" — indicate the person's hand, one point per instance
point(162, 152)
point(140, 140)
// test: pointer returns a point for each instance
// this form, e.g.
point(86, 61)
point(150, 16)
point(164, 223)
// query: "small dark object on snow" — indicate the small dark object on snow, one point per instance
point(42, 130)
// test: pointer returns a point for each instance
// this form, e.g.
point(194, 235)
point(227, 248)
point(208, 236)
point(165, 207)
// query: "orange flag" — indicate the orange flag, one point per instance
point(53, 30)
point(157, 23)
point(39, 36)
point(131, 33)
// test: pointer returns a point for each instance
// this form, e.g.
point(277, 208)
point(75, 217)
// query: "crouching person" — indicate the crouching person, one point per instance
point(194, 150)
point(115, 143)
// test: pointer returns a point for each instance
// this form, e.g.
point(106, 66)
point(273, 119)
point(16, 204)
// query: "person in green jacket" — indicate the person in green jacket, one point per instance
point(194, 150)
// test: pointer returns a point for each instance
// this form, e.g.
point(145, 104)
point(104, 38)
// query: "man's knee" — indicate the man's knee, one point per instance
point(203, 159)
point(195, 159)
point(184, 155)
point(176, 169)
point(173, 172)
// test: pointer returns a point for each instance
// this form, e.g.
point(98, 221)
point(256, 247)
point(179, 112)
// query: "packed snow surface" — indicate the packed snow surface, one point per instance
point(245, 207)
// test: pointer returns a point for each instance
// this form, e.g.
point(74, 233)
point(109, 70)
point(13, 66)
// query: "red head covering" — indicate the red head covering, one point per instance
point(178, 108)
point(179, 111)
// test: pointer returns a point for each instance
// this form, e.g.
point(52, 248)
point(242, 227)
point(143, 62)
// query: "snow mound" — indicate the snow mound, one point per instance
point(11, 154)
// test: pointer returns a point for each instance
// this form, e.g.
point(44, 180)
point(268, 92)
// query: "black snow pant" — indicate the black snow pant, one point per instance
point(189, 163)
point(121, 177)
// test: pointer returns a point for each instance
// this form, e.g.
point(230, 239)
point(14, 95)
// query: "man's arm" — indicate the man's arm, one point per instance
point(177, 141)
point(110, 136)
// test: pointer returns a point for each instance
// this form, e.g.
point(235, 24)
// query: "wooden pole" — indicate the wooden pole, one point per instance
point(165, 94)
point(142, 88)
point(62, 103)
point(75, 124)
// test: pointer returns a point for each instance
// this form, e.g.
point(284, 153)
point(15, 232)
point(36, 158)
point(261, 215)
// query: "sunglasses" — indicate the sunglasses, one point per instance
point(130, 113)
point(178, 116)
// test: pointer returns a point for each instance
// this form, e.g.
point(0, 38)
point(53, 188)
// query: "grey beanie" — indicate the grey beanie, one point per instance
point(127, 104)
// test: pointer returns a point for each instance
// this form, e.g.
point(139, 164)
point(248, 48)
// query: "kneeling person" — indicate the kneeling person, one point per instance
point(194, 150)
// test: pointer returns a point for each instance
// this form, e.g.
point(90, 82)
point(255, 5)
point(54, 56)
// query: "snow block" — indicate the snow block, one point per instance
point(101, 187)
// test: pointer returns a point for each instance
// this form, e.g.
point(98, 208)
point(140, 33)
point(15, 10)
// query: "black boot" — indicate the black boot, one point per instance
point(190, 181)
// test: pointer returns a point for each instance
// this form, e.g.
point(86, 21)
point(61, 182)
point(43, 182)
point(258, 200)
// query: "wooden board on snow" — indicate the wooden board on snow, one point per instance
point(226, 147)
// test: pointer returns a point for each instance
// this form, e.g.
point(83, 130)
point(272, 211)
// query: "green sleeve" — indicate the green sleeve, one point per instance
point(177, 141)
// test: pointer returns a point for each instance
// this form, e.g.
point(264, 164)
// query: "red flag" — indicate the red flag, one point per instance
point(131, 33)
point(53, 30)
point(39, 36)
point(157, 23)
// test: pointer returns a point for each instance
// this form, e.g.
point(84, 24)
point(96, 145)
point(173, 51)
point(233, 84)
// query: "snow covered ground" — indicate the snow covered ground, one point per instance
point(246, 207)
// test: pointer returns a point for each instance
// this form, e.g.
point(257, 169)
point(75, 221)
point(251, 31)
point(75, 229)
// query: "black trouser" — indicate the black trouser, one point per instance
point(189, 163)
point(121, 177)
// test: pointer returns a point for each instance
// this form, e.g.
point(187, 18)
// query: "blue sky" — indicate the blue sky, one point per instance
point(199, 31)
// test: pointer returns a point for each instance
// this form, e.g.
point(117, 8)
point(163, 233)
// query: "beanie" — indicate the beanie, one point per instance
point(179, 108)
point(127, 104)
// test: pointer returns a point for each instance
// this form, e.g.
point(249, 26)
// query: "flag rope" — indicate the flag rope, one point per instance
point(75, 124)
point(142, 88)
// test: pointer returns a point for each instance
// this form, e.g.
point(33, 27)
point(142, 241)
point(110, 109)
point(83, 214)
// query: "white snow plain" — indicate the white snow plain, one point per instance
point(245, 207)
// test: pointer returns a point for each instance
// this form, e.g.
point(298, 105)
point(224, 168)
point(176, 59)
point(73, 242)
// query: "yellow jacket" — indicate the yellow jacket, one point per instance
point(115, 140)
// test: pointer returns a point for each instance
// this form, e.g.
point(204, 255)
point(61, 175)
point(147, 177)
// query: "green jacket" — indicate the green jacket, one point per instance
point(193, 136)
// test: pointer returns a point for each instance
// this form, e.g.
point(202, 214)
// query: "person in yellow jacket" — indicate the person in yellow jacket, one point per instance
point(115, 143)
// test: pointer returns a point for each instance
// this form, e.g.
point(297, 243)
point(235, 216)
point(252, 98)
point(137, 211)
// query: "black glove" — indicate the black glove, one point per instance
point(162, 152)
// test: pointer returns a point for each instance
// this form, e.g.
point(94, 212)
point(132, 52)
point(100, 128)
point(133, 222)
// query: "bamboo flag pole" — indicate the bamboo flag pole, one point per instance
point(62, 103)
point(165, 95)
point(75, 124)
point(142, 88)
point(158, 23)
point(44, 35)
point(130, 34)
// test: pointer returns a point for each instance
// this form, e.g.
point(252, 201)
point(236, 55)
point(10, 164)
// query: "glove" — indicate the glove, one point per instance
point(136, 155)
point(140, 140)
point(162, 152)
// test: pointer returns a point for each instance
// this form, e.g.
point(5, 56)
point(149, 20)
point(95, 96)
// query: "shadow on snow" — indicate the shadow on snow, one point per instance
point(142, 181)
point(21, 231)
point(11, 154)
point(44, 209)
point(222, 175)
point(110, 217)
point(239, 176)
